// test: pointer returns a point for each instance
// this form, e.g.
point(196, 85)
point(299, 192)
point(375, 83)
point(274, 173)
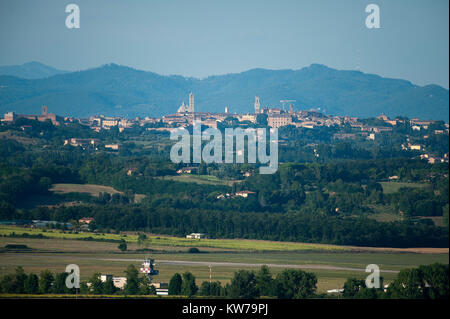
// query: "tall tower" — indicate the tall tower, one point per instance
point(257, 104)
point(44, 109)
point(191, 102)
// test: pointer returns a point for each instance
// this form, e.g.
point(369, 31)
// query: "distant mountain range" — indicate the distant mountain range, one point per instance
point(122, 91)
point(30, 70)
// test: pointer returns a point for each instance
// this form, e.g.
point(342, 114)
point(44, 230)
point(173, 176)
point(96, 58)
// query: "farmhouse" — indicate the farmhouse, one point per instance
point(196, 236)
point(187, 170)
point(245, 194)
point(86, 220)
point(83, 142)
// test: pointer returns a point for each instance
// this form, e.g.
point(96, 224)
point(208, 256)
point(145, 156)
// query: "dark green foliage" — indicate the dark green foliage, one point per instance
point(436, 277)
point(16, 246)
point(188, 287)
point(211, 289)
point(175, 284)
point(108, 287)
point(15, 283)
point(132, 285)
point(243, 285)
point(46, 281)
point(352, 287)
point(325, 201)
point(122, 245)
point(425, 282)
point(32, 284)
point(8, 284)
point(96, 285)
point(59, 286)
point(295, 284)
point(144, 286)
point(265, 284)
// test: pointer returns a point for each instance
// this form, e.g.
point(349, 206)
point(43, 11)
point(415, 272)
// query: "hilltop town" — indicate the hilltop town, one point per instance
point(345, 128)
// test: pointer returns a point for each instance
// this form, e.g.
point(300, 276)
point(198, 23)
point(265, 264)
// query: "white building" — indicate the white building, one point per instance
point(196, 236)
point(279, 120)
point(119, 282)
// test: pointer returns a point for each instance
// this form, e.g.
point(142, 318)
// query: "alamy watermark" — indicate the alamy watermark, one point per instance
point(258, 143)
point(73, 19)
point(73, 279)
point(373, 19)
point(373, 280)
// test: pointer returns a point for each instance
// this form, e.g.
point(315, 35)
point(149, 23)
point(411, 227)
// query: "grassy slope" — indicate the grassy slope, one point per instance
point(393, 187)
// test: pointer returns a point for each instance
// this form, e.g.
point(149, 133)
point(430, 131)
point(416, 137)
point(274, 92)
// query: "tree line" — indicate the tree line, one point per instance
point(423, 282)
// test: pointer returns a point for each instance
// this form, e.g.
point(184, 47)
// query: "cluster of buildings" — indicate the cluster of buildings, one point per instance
point(196, 236)
point(148, 270)
point(276, 117)
point(93, 143)
point(36, 223)
point(45, 116)
point(185, 115)
point(244, 194)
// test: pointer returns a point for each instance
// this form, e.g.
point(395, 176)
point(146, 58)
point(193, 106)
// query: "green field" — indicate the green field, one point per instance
point(90, 189)
point(393, 187)
point(160, 240)
point(384, 213)
point(200, 179)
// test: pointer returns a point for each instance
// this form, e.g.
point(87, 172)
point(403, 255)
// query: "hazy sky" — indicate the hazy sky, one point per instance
point(205, 37)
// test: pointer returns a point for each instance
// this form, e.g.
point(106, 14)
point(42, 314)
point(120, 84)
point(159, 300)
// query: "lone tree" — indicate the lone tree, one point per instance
point(122, 245)
point(141, 239)
point(175, 284)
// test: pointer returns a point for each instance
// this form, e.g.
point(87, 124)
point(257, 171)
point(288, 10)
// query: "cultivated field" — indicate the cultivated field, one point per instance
point(90, 189)
point(200, 179)
point(230, 244)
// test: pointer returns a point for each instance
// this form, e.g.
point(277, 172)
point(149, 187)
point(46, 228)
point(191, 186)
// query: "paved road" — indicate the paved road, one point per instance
point(208, 263)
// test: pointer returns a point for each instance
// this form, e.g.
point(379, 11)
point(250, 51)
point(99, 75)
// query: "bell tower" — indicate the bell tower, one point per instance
point(257, 104)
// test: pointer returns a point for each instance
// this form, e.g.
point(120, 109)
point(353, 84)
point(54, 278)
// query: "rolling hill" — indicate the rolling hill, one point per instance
point(119, 90)
point(30, 70)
